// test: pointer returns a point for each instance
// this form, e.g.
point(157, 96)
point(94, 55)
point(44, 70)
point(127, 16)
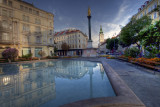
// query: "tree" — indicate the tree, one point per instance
point(112, 44)
point(10, 54)
point(65, 47)
point(129, 33)
point(151, 38)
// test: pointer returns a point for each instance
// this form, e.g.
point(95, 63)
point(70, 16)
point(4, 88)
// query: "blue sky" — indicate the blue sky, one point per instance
point(73, 14)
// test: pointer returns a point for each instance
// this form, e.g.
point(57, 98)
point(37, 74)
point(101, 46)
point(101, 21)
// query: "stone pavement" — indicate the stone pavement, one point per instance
point(142, 81)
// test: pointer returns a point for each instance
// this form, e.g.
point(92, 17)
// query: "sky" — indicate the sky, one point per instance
point(111, 14)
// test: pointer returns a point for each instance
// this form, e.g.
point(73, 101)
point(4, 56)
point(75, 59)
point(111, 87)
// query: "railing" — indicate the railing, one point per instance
point(8, 42)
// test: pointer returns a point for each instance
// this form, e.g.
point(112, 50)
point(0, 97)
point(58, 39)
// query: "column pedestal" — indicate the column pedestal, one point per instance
point(90, 51)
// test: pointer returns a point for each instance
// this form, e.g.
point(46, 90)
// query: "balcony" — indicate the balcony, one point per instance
point(8, 42)
point(5, 29)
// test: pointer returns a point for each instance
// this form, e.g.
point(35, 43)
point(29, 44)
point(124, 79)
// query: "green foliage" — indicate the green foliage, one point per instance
point(27, 56)
point(133, 52)
point(126, 52)
point(151, 38)
point(129, 33)
point(111, 43)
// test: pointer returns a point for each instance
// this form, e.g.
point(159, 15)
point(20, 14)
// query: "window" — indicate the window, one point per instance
point(155, 5)
point(5, 2)
point(5, 24)
point(25, 18)
point(34, 12)
point(150, 16)
point(37, 12)
point(50, 40)
point(26, 9)
point(10, 14)
point(30, 10)
point(141, 15)
point(145, 12)
point(21, 7)
point(38, 39)
point(149, 9)
point(26, 28)
point(37, 21)
point(155, 15)
point(4, 12)
point(50, 32)
point(5, 36)
point(51, 24)
point(10, 3)
point(38, 29)
point(26, 39)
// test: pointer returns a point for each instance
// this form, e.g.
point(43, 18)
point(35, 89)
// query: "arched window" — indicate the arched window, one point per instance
point(5, 24)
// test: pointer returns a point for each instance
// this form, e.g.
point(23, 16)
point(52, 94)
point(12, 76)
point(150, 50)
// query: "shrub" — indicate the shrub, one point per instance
point(28, 56)
point(132, 52)
point(10, 54)
point(126, 52)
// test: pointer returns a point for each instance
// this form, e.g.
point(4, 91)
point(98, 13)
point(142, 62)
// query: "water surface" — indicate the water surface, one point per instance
point(52, 83)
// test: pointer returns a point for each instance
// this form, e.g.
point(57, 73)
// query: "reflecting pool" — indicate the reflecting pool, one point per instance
point(52, 83)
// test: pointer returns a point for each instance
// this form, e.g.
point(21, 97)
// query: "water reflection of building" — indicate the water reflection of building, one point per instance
point(34, 83)
point(70, 69)
point(27, 88)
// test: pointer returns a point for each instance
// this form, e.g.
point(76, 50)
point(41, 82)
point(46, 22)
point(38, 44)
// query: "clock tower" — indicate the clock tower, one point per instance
point(101, 36)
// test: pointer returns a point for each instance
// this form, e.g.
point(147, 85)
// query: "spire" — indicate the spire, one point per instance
point(101, 31)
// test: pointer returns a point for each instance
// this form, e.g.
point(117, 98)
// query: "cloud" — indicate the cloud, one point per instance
point(121, 12)
point(112, 28)
point(121, 19)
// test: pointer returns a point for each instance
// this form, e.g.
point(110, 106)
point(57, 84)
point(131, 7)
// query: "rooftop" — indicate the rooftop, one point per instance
point(68, 31)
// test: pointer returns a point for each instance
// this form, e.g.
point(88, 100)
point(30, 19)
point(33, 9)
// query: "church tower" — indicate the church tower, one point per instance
point(101, 36)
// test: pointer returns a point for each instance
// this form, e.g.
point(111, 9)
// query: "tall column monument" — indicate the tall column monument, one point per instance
point(89, 51)
point(89, 28)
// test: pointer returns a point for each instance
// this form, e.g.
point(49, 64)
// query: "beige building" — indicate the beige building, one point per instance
point(75, 39)
point(148, 9)
point(25, 27)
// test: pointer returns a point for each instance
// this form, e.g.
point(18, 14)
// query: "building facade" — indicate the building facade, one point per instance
point(149, 9)
point(75, 39)
point(25, 27)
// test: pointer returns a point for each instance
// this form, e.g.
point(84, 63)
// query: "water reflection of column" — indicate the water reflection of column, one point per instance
point(91, 89)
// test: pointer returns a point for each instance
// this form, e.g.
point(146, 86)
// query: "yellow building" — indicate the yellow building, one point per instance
point(148, 9)
point(25, 27)
point(76, 40)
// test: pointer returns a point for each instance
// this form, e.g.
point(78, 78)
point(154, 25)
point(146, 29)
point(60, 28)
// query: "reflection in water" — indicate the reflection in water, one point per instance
point(32, 84)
